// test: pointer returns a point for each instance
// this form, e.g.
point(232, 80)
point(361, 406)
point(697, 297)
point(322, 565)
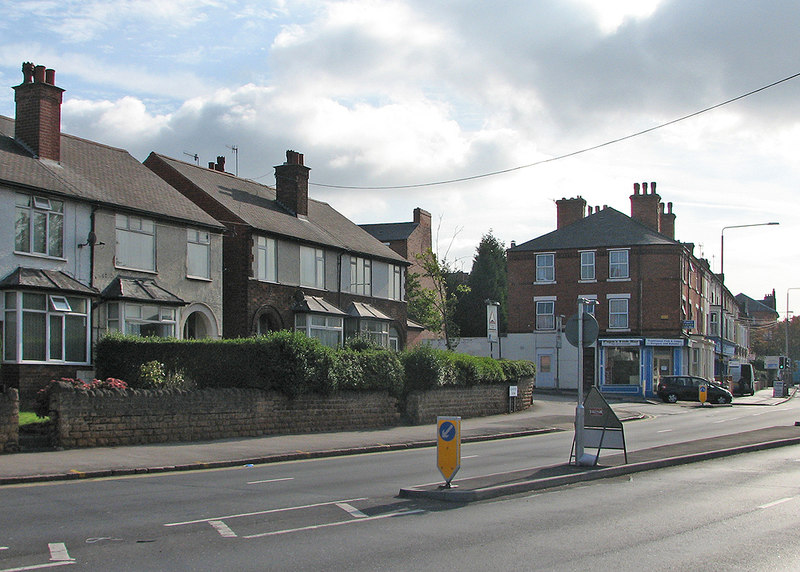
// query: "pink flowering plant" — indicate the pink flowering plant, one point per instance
point(42, 406)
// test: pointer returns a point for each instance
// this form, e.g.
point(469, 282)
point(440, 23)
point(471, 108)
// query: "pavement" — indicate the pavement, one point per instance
point(552, 411)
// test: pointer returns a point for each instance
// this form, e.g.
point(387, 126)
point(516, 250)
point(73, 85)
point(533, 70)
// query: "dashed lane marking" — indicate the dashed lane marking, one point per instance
point(58, 552)
point(351, 510)
point(260, 512)
point(777, 502)
point(330, 524)
point(270, 481)
point(223, 529)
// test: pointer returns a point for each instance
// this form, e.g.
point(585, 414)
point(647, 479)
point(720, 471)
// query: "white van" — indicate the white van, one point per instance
point(742, 378)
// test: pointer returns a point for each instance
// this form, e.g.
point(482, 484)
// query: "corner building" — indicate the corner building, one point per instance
point(660, 309)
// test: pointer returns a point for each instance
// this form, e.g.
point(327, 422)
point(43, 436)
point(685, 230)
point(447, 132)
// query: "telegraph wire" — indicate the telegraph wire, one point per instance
point(558, 157)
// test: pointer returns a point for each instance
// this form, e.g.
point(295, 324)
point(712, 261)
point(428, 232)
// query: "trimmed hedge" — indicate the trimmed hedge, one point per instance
point(294, 364)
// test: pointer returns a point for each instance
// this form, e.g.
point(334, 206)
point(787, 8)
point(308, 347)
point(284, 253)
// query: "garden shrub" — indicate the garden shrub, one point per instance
point(153, 375)
point(426, 368)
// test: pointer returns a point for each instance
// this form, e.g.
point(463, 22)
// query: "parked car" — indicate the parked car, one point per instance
point(674, 388)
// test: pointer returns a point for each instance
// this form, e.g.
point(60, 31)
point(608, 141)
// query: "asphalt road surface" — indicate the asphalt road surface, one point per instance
point(738, 513)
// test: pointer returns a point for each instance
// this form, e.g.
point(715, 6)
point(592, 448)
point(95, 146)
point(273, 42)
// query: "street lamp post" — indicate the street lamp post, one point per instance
point(722, 242)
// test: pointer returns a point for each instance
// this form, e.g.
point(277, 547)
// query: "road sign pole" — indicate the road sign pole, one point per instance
point(579, 412)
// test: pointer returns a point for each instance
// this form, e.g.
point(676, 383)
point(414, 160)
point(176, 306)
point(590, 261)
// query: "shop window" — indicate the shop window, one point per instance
point(622, 366)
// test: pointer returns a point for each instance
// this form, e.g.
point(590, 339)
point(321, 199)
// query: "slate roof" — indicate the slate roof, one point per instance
point(389, 231)
point(305, 303)
point(752, 306)
point(362, 310)
point(606, 228)
point(96, 173)
point(141, 290)
point(47, 280)
point(255, 204)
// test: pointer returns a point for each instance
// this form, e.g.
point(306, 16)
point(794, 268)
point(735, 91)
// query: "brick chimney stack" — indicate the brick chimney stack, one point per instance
point(570, 210)
point(291, 184)
point(38, 114)
point(667, 221)
point(423, 219)
point(644, 207)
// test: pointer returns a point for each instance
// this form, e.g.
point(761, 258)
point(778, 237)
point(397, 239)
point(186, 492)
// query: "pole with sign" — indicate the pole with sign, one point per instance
point(703, 396)
point(492, 328)
point(448, 447)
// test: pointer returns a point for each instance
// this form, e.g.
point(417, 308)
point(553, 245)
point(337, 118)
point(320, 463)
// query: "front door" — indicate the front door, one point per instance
point(662, 364)
point(545, 368)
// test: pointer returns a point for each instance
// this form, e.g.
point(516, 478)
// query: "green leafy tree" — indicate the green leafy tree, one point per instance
point(434, 307)
point(488, 280)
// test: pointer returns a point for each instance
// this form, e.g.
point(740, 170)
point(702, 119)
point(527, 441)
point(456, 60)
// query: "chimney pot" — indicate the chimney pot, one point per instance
point(211, 165)
point(27, 72)
point(38, 74)
point(653, 187)
point(644, 188)
point(636, 188)
point(50, 76)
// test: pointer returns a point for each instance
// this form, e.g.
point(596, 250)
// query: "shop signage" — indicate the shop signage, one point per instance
point(622, 342)
point(664, 343)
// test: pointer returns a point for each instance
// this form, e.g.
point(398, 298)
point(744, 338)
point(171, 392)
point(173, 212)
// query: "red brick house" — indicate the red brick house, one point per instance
point(290, 262)
point(660, 309)
point(409, 240)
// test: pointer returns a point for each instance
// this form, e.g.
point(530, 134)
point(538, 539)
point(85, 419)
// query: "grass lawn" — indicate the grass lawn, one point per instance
point(29, 417)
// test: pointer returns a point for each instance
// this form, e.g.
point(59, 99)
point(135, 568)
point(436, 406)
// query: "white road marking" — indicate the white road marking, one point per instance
point(469, 456)
point(330, 524)
point(351, 510)
point(222, 528)
point(270, 481)
point(39, 566)
point(269, 511)
point(726, 420)
point(665, 431)
point(58, 552)
point(777, 502)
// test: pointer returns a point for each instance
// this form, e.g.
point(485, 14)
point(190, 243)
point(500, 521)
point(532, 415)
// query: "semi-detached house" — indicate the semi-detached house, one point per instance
point(660, 308)
point(92, 241)
point(291, 262)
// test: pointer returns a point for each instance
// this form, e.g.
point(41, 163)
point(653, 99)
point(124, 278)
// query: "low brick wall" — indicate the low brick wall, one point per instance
point(477, 401)
point(9, 421)
point(105, 418)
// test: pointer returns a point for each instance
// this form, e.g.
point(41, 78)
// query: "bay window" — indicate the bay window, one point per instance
point(43, 327)
point(327, 329)
point(141, 319)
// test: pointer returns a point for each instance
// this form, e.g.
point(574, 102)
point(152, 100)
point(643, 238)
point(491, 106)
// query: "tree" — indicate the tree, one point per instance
point(488, 280)
point(434, 308)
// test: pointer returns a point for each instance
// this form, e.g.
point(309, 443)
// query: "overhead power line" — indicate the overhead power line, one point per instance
point(564, 156)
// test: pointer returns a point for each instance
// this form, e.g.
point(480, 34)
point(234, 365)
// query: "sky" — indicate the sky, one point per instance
point(388, 98)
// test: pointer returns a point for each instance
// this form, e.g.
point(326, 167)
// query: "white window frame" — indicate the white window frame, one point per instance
point(546, 267)
point(375, 330)
point(619, 312)
point(395, 282)
point(133, 229)
point(618, 269)
point(61, 313)
point(132, 317)
point(266, 259)
point(50, 214)
point(360, 276)
point(312, 267)
point(545, 314)
point(321, 327)
point(588, 266)
point(198, 253)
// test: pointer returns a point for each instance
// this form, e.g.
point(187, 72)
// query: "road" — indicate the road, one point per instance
point(342, 513)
